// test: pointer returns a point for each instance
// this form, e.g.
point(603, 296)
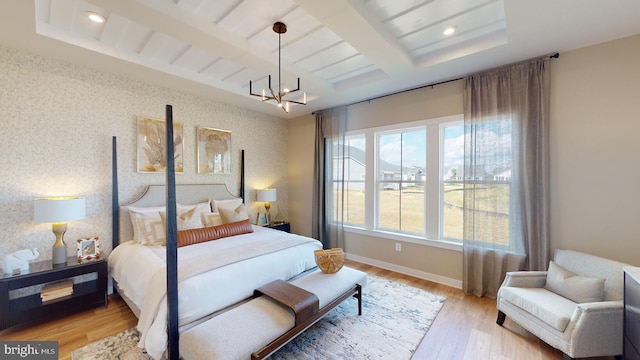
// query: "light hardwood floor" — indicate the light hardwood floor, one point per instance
point(465, 328)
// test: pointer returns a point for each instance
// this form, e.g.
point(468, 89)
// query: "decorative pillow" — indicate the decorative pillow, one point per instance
point(196, 236)
point(211, 219)
point(227, 204)
point(235, 228)
point(147, 225)
point(577, 288)
point(201, 208)
point(185, 220)
point(238, 213)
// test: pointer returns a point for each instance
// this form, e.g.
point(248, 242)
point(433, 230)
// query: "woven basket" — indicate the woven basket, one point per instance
point(330, 261)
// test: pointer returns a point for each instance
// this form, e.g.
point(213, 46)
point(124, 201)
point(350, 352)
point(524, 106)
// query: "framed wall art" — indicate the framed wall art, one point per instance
point(152, 144)
point(88, 249)
point(214, 151)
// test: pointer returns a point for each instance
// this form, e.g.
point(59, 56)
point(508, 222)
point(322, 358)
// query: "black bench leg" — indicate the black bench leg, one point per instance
point(358, 295)
point(501, 317)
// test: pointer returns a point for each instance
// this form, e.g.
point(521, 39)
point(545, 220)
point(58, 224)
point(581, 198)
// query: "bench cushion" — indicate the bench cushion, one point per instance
point(541, 303)
point(237, 333)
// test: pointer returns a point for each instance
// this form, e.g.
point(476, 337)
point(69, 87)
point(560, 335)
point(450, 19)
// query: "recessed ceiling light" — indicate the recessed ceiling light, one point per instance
point(450, 30)
point(95, 17)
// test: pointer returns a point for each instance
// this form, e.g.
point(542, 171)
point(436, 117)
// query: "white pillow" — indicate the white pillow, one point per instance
point(147, 225)
point(211, 219)
point(201, 208)
point(239, 213)
point(577, 288)
point(227, 204)
point(186, 220)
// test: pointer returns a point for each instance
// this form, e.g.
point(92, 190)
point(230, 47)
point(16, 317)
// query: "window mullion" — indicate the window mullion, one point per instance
point(432, 183)
point(370, 199)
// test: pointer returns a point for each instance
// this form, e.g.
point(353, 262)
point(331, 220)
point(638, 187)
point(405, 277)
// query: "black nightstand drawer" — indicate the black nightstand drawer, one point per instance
point(286, 227)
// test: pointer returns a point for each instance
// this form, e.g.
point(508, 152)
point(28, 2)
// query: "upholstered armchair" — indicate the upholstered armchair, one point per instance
point(576, 306)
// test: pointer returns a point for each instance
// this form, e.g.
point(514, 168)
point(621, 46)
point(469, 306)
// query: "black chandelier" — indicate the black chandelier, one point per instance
point(279, 28)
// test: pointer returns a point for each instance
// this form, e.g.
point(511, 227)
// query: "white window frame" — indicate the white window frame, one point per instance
point(433, 208)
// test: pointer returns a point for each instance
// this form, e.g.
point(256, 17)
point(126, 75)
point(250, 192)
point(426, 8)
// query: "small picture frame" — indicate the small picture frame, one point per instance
point(261, 219)
point(88, 249)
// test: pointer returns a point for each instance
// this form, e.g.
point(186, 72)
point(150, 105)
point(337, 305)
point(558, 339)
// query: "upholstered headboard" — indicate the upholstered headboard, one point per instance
point(156, 195)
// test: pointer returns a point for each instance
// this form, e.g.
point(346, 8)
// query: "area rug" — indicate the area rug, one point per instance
point(394, 319)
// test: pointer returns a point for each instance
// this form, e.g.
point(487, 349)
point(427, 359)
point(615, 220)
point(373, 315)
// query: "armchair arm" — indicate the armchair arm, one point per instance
point(528, 279)
point(596, 329)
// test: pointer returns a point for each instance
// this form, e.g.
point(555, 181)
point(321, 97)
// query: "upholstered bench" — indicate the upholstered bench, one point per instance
point(262, 325)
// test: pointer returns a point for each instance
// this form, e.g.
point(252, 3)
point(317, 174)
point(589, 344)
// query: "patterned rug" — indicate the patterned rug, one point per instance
point(394, 319)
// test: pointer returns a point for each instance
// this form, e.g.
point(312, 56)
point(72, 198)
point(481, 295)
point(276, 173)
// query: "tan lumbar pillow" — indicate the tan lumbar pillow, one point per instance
point(577, 288)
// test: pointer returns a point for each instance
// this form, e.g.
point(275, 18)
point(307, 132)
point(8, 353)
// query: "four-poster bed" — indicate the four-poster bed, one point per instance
point(217, 274)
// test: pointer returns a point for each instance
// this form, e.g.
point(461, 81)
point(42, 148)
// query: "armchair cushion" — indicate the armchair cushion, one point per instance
point(553, 309)
point(579, 289)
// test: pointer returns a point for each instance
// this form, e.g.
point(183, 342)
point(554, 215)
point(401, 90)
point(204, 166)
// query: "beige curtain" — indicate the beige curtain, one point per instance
point(506, 174)
point(328, 179)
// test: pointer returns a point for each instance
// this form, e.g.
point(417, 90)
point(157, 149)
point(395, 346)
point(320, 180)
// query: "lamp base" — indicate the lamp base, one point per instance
point(267, 206)
point(59, 255)
point(59, 249)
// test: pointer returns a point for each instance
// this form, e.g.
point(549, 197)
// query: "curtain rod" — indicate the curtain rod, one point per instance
point(549, 56)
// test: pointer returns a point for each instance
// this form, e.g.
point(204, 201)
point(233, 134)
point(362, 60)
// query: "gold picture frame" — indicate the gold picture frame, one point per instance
point(152, 146)
point(88, 249)
point(214, 151)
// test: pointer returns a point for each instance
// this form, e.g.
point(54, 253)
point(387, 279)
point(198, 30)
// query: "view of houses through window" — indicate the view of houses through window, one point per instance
point(408, 179)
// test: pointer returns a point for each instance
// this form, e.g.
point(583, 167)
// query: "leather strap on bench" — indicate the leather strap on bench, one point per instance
point(303, 303)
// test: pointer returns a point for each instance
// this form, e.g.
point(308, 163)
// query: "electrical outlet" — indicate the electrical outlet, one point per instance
point(398, 247)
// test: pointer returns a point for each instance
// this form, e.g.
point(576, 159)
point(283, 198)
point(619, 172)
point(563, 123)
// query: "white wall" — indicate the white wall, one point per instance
point(595, 145)
point(57, 124)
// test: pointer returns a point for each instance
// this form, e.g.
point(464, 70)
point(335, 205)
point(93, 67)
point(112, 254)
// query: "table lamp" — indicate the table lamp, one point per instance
point(59, 211)
point(267, 196)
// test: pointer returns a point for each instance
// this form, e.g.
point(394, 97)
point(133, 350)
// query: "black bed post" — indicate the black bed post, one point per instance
point(172, 244)
point(242, 176)
point(115, 204)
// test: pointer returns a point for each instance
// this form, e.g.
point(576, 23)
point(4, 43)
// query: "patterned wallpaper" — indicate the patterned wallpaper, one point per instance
point(57, 124)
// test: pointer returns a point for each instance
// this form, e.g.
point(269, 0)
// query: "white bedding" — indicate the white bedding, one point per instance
point(212, 276)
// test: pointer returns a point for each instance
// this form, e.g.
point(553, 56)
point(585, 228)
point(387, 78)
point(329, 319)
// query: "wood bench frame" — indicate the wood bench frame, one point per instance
point(304, 316)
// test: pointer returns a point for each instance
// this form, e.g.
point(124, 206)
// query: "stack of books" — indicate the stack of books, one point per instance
point(57, 289)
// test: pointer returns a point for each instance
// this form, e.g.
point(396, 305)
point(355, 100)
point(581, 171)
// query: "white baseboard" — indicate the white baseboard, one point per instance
point(407, 271)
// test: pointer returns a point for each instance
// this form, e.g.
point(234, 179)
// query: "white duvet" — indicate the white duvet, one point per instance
point(212, 276)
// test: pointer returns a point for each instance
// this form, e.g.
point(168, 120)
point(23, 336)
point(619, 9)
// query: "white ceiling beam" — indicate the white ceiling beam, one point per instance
point(352, 21)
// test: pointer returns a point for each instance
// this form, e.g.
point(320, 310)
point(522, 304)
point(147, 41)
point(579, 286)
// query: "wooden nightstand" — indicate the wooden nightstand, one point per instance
point(31, 308)
point(286, 227)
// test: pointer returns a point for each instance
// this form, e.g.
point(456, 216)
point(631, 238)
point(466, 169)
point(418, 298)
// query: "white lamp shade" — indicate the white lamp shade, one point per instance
point(60, 209)
point(265, 195)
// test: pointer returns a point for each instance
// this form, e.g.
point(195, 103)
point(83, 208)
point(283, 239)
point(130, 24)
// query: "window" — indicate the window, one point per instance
point(489, 179)
point(400, 169)
point(451, 191)
point(412, 185)
point(354, 176)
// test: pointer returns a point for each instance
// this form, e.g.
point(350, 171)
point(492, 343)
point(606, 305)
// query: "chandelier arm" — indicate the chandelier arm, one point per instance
point(295, 102)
